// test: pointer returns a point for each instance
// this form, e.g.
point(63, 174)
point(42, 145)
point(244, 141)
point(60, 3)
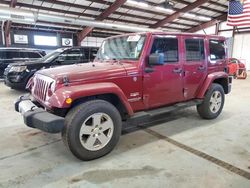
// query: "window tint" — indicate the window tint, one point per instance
point(168, 46)
point(23, 54)
point(72, 56)
point(2, 55)
point(12, 55)
point(217, 49)
point(194, 49)
point(34, 55)
point(90, 53)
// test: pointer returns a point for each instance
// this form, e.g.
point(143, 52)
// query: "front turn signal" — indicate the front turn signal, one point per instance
point(68, 100)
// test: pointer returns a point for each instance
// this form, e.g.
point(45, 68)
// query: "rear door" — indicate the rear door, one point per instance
point(164, 85)
point(194, 65)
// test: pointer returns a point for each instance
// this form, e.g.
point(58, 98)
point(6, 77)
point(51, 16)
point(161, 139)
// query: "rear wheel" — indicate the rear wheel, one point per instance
point(244, 75)
point(92, 129)
point(213, 102)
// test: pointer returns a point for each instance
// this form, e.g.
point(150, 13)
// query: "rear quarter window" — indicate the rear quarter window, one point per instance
point(217, 49)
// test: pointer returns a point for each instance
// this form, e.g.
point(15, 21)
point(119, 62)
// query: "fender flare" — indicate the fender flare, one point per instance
point(86, 90)
point(208, 82)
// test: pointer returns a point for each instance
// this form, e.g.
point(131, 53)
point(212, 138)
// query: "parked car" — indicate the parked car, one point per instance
point(11, 55)
point(133, 76)
point(17, 75)
point(236, 68)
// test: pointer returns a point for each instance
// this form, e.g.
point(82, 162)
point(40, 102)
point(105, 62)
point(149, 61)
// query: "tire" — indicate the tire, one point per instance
point(235, 76)
point(85, 132)
point(211, 108)
point(244, 75)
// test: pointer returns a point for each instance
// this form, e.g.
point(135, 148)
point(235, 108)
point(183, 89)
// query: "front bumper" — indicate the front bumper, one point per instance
point(36, 117)
point(13, 85)
point(16, 80)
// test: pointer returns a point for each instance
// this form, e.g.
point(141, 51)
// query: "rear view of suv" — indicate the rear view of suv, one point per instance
point(17, 75)
point(12, 55)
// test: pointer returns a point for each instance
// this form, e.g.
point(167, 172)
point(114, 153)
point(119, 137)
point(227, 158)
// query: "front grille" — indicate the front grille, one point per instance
point(41, 86)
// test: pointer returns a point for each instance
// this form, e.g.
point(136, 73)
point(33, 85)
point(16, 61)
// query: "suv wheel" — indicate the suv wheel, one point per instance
point(92, 129)
point(213, 102)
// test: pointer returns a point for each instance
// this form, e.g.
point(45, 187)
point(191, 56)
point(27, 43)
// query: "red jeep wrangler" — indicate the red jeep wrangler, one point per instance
point(133, 76)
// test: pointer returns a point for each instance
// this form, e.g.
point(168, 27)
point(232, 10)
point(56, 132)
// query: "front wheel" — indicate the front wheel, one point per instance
point(92, 129)
point(213, 102)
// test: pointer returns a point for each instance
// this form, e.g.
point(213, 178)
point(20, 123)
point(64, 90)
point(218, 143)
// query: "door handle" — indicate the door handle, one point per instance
point(201, 68)
point(177, 70)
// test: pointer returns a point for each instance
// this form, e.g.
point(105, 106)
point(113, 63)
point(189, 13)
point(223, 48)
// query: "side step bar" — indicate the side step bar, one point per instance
point(163, 110)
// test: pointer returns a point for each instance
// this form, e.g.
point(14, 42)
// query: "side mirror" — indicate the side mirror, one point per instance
point(156, 59)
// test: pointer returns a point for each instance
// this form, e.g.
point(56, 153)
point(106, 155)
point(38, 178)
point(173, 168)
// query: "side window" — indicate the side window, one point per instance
point(12, 55)
point(86, 52)
point(73, 55)
point(34, 55)
point(194, 49)
point(217, 49)
point(2, 55)
point(168, 46)
point(90, 53)
point(24, 54)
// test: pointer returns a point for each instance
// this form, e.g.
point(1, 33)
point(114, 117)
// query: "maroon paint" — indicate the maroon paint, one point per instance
point(126, 78)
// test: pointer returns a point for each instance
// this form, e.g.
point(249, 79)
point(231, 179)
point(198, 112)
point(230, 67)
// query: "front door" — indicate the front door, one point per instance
point(194, 65)
point(163, 84)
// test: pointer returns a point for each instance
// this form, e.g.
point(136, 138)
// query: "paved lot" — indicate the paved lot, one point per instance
point(181, 151)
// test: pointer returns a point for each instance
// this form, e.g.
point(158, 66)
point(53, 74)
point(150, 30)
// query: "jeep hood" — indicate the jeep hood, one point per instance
point(87, 71)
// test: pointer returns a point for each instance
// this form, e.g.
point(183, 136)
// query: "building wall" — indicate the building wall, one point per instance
point(32, 33)
point(208, 31)
point(92, 41)
point(241, 48)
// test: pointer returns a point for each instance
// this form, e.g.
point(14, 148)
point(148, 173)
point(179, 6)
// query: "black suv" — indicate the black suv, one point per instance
point(12, 55)
point(17, 75)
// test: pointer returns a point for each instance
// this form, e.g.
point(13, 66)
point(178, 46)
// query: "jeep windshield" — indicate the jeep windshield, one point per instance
point(122, 48)
point(51, 56)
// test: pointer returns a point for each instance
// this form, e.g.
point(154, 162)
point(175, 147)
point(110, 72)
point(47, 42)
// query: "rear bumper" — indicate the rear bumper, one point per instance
point(38, 118)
